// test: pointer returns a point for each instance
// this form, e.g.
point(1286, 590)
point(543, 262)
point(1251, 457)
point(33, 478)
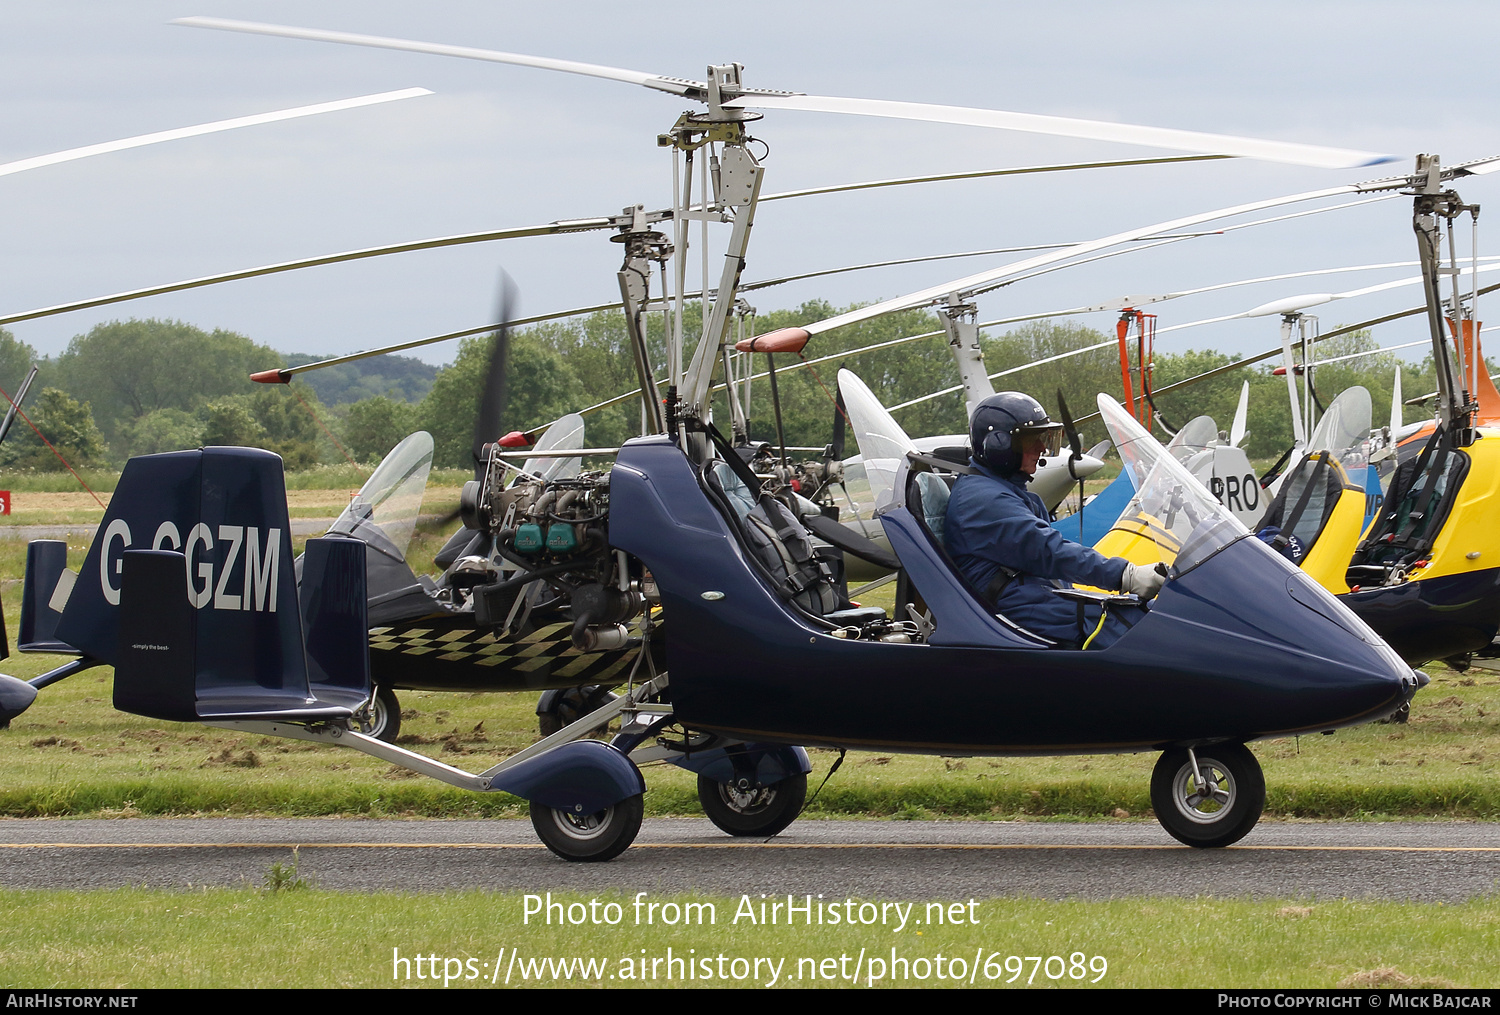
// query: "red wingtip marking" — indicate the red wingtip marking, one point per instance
point(783, 340)
point(271, 377)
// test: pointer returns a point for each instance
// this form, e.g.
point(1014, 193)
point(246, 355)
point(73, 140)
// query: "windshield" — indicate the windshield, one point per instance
point(1344, 430)
point(384, 512)
point(882, 443)
point(1198, 435)
point(1179, 514)
point(564, 435)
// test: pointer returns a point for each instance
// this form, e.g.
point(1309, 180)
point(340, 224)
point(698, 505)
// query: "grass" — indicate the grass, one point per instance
point(141, 939)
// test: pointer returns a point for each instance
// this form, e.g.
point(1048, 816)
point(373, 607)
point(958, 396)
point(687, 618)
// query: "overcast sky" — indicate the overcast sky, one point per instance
point(502, 146)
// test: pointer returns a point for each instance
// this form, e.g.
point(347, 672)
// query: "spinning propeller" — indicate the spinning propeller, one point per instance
point(1075, 455)
point(493, 400)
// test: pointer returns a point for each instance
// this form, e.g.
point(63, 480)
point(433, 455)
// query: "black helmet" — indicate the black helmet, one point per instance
point(998, 423)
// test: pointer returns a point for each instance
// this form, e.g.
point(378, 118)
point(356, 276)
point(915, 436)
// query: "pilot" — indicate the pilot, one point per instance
point(1000, 534)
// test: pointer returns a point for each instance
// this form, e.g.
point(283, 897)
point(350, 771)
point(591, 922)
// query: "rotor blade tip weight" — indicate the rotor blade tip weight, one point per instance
point(781, 340)
point(277, 376)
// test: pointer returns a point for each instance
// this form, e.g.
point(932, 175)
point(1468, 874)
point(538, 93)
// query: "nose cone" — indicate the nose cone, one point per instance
point(1086, 466)
point(1053, 481)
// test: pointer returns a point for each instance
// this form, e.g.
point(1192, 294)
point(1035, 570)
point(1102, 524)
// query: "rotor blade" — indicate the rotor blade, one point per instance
point(1118, 304)
point(493, 398)
point(677, 86)
point(15, 403)
point(1296, 304)
point(284, 374)
point(1094, 130)
point(1237, 428)
point(1372, 352)
point(982, 281)
point(978, 174)
point(141, 140)
point(566, 226)
point(1477, 167)
point(1336, 333)
point(1158, 137)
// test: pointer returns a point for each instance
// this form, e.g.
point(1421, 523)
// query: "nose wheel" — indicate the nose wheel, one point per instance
point(1213, 804)
point(752, 810)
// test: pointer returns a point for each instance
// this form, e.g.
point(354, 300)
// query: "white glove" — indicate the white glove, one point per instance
point(1144, 581)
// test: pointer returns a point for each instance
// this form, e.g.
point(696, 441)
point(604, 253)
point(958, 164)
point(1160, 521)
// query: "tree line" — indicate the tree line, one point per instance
point(140, 387)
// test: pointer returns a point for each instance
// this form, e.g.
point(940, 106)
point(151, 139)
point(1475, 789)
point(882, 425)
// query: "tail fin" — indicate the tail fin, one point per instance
point(48, 586)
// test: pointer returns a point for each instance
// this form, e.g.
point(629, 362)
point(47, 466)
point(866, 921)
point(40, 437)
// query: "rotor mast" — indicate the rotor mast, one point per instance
point(960, 317)
point(1435, 207)
point(736, 179)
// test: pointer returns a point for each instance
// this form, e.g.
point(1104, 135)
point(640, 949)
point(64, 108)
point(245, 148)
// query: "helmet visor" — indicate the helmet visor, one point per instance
point(1043, 437)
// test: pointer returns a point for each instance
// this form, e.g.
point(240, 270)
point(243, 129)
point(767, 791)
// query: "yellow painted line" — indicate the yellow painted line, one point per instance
point(738, 845)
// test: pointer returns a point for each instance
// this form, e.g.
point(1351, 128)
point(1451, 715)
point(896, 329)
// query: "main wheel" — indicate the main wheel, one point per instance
point(385, 715)
point(758, 810)
point(1224, 813)
point(589, 838)
point(573, 705)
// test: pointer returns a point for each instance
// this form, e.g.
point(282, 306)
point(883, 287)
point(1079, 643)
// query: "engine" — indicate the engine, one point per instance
point(552, 535)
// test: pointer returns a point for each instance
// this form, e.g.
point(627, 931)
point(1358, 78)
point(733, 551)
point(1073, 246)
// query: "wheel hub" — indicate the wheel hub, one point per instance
point(747, 798)
point(581, 826)
point(1207, 804)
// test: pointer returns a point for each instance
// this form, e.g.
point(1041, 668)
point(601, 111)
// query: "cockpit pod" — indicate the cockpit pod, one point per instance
point(1233, 590)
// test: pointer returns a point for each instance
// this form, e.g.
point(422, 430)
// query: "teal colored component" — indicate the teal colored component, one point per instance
point(561, 538)
point(529, 538)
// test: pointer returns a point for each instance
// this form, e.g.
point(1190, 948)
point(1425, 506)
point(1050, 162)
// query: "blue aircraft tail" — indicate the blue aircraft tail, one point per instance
point(190, 592)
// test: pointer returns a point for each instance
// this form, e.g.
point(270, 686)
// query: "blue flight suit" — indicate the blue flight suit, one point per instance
point(993, 521)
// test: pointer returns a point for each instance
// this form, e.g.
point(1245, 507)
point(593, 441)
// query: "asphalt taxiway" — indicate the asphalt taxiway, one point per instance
point(1419, 861)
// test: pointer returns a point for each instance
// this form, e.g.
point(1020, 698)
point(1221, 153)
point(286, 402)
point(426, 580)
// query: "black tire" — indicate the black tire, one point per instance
point(761, 811)
point(1236, 797)
point(589, 838)
point(385, 715)
point(572, 706)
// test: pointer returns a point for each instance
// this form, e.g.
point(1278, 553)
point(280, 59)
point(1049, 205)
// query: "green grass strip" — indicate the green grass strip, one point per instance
point(300, 936)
